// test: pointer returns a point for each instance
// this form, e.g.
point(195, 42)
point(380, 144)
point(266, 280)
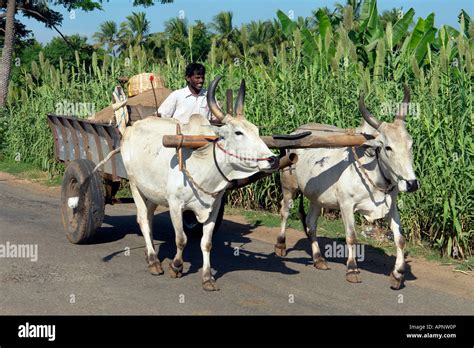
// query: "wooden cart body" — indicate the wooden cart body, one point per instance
point(82, 139)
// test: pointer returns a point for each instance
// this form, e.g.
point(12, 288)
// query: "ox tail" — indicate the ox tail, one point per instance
point(73, 202)
point(108, 157)
point(302, 215)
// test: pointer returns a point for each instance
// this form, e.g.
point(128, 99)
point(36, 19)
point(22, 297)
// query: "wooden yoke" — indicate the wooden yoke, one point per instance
point(179, 147)
point(310, 141)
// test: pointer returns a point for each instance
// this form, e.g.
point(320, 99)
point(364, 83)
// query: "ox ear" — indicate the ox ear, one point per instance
point(222, 131)
point(213, 128)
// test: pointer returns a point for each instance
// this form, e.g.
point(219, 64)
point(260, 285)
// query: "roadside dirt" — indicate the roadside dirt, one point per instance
point(426, 274)
point(53, 191)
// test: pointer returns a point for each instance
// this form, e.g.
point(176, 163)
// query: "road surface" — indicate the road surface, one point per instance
point(110, 276)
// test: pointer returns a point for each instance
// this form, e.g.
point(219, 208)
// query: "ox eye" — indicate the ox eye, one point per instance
point(239, 133)
point(388, 148)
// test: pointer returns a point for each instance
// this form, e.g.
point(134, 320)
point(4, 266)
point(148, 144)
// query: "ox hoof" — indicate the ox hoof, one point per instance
point(175, 272)
point(155, 268)
point(321, 263)
point(395, 283)
point(353, 276)
point(210, 285)
point(280, 249)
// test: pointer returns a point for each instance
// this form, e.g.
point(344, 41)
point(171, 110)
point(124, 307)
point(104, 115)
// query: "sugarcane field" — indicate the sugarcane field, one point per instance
point(233, 163)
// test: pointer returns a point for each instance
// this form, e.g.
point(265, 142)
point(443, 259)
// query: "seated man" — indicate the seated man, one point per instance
point(192, 99)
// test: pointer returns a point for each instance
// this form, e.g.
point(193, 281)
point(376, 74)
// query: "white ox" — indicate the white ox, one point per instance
point(333, 178)
point(155, 178)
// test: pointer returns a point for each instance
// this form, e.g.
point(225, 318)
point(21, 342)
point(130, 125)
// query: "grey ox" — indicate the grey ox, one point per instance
point(155, 178)
point(366, 179)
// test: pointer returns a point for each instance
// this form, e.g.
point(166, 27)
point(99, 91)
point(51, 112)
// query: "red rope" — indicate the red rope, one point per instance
point(240, 157)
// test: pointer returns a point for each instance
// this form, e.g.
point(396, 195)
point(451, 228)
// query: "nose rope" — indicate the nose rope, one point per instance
point(241, 157)
point(191, 179)
point(399, 177)
point(215, 161)
point(216, 143)
point(364, 172)
point(199, 187)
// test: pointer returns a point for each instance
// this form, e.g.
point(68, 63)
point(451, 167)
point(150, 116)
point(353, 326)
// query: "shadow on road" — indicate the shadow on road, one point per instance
point(375, 259)
point(229, 251)
point(225, 241)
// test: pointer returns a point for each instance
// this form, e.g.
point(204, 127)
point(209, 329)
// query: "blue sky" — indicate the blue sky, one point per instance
point(86, 23)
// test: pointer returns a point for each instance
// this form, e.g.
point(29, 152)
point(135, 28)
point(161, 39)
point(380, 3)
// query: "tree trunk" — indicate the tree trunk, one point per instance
point(6, 67)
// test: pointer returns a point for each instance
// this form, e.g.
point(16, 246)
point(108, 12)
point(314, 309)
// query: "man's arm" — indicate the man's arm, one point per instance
point(168, 107)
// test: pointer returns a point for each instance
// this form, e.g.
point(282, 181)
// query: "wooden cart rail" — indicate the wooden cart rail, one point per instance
point(82, 139)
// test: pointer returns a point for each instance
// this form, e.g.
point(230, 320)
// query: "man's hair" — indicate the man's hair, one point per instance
point(193, 68)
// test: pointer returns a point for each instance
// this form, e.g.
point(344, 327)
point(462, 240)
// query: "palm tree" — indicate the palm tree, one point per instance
point(227, 49)
point(156, 43)
point(223, 27)
point(134, 30)
point(244, 39)
point(176, 30)
point(200, 40)
point(107, 36)
point(356, 7)
point(392, 15)
point(260, 37)
point(278, 35)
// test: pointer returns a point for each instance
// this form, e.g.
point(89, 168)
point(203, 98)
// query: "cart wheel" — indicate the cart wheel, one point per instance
point(82, 201)
point(193, 228)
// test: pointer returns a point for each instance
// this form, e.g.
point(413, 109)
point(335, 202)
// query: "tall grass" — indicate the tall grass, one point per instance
point(289, 92)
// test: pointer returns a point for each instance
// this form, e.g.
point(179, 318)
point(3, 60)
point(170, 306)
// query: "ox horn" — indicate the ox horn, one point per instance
point(402, 110)
point(239, 103)
point(368, 117)
point(211, 100)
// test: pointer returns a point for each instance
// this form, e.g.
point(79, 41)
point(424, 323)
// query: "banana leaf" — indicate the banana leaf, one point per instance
point(371, 25)
point(401, 27)
point(288, 26)
point(422, 47)
point(417, 34)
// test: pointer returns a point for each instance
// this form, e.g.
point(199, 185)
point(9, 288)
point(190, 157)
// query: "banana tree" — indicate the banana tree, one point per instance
point(316, 46)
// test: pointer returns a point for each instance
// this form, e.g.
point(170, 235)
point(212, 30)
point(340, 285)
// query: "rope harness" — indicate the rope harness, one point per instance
point(351, 131)
point(214, 145)
point(215, 161)
point(195, 184)
point(364, 172)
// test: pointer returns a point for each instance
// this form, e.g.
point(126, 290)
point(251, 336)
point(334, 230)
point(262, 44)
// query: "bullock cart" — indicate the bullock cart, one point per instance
point(82, 144)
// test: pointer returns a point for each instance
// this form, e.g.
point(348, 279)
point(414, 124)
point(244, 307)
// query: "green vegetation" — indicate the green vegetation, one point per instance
point(297, 71)
point(28, 171)
point(15, 34)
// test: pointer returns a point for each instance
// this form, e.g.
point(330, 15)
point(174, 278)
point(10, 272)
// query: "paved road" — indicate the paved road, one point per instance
point(101, 279)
